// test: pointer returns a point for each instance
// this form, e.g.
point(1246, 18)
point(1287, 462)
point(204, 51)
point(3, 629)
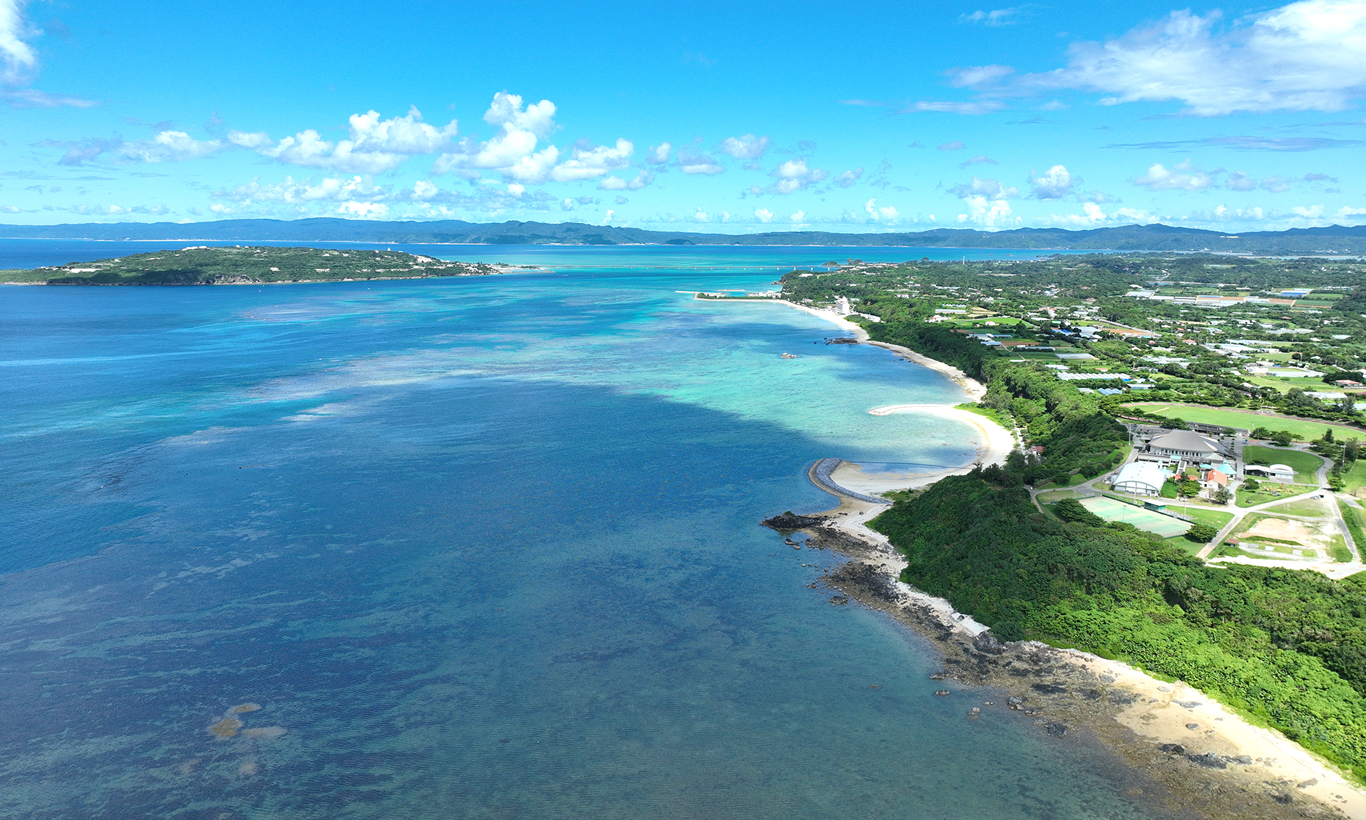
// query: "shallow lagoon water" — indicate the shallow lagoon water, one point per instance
point(480, 548)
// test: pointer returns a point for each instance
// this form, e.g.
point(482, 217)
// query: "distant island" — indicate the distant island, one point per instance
point(248, 266)
point(1331, 240)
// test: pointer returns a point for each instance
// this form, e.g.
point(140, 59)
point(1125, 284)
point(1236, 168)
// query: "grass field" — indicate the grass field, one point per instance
point(1311, 507)
point(1112, 510)
point(1356, 524)
point(1304, 464)
point(1355, 479)
point(1271, 492)
point(1308, 429)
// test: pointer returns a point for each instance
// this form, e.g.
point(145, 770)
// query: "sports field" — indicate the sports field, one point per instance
point(1112, 510)
point(1308, 429)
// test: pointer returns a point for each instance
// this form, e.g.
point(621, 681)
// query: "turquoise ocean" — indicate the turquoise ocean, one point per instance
point(480, 547)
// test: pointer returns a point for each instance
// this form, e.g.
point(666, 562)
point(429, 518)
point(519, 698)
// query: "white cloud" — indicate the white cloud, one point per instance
point(616, 183)
point(1055, 183)
point(764, 215)
point(746, 147)
point(1309, 213)
point(700, 216)
point(798, 218)
point(956, 145)
point(989, 188)
point(169, 146)
point(995, 17)
point(848, 178)
point(691, 161)
point(512, 151)
point(987, 213)
point(980, 159)
point(974, 107)
point(1345, 212)
point(363, 210)
point(887, 214)
point(659, 154)
point(1276, 185)
point(19, 58)
point(333, 189)
point(1304, 56)
point(978, 75)
point(1239, 181)
point(594, 162)
point(374, 145)
point(422, 189)
point(794, 175)
point(1182, 177)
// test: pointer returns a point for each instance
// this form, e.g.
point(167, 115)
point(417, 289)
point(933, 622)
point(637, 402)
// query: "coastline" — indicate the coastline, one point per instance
point(1200, 752)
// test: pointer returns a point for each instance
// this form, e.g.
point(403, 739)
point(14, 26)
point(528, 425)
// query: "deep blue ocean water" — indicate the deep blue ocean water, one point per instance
point(478, 547)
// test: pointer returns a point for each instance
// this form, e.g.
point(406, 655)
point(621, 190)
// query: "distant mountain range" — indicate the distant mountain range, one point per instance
point(1335, 239)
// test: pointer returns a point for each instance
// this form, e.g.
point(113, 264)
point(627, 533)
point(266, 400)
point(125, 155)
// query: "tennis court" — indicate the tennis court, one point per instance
point(1112, 510)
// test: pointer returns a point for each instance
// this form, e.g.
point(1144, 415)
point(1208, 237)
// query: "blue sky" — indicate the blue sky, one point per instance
point(710, 116)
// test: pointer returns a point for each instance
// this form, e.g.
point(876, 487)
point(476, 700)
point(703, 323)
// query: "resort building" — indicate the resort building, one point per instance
point(1279, 473)
point(1139, 478)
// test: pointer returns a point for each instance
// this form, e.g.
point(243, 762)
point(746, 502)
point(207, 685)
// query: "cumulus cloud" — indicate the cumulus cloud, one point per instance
point(794, 175)
point(798, 218)
point(1181, 177)
point(987, 212)
point(764, 215)
point(956, 145)
point(886, 214)
point(659, 154)
point(374, 145)
point(616, 183)
point(989, 188)
point(1239, 181)
point(1055, 183)
point(591, 163)
point(512, 150)
point(848, 178)
point(746, 147)
point(328, 189)
point(1303, 56)
point(166, 146)
point(692, 161)
point(18, 60)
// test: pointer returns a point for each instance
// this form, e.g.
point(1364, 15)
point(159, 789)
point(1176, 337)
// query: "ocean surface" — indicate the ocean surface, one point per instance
point(476, 548)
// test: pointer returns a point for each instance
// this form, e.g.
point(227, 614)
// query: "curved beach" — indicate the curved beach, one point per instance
point(1205, 753)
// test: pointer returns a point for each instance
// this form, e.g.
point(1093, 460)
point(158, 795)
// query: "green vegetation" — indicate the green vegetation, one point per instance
point(247, 265)
point(1285, 647)
point(1245, 420)
point(1304, 464)
point(1288, 648)
point(1268, 491)
point(1355, 518)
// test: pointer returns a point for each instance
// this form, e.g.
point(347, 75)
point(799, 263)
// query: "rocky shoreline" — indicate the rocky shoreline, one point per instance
point(1067, 696)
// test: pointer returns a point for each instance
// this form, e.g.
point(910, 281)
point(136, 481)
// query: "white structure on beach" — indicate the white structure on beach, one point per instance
point(1140, 478)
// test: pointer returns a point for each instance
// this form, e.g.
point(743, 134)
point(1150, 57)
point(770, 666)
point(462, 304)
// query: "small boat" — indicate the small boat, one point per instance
point(788, 356)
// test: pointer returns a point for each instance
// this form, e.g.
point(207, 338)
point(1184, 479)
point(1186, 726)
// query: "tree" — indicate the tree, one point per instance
point(1187, 488)
point(1328, 434)
point(1252, 485)
point(1221, 495)
point(1201, 533)
point(1282, 438)
point(1263, 432)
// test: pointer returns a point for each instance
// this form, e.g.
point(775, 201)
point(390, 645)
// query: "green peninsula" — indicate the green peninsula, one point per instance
point(248, 265)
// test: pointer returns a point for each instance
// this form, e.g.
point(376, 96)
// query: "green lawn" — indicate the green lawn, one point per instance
point(988, 412)
point(1356, 524)
point(1307, 507)
point(1271, 492)
point(1355, 479)
point(1308, 429)
point(1215, 517)
point(1304, 464)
